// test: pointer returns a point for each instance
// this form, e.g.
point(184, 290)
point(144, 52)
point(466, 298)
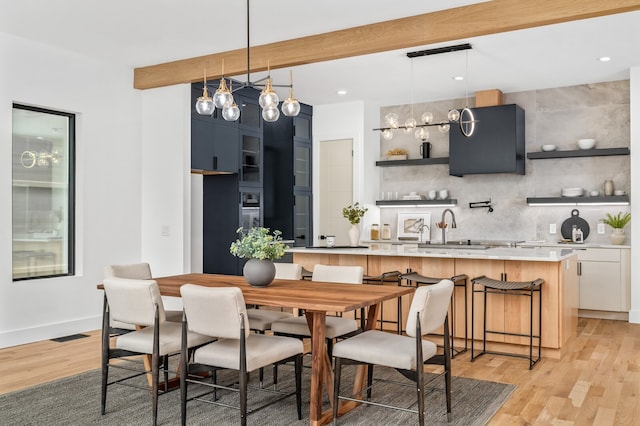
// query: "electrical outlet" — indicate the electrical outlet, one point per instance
point(552, 228)
point(601, 228)
point(164, 231)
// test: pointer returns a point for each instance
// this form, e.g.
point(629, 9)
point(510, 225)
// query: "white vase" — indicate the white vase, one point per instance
point(354, 235)
point(259, 273)
point(617, 236)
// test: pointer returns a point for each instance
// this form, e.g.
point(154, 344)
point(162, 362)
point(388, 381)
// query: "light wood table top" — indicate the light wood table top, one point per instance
point(316, 298)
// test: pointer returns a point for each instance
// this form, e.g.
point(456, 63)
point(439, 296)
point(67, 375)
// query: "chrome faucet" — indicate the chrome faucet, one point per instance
point(453, 223)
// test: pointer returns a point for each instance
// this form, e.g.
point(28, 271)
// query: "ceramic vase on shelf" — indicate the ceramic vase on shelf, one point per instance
point(617, 236)
point(259, 273)
point(354, 235)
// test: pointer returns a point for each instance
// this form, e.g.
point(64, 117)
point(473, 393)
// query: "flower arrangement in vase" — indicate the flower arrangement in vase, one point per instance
point(261, 248)
point(354, 213)
point(617, 223)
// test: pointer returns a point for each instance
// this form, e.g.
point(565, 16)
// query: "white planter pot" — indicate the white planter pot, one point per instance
point(617, 236)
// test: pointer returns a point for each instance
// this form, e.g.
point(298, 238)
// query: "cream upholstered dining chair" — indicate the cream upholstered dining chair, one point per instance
point(408, 353)
point(136, 271)
point(133, 301)
point(335, 326)
point(260, 320)
point(220, 312)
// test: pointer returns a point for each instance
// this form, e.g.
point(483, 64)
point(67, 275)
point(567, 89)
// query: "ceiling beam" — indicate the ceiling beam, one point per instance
point(459, 23)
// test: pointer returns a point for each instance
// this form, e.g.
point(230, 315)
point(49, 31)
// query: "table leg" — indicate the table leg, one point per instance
point(321, 372)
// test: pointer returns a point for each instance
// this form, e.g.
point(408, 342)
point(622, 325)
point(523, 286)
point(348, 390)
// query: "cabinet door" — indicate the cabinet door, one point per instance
point(600, 286)
point(251, 168)
point(202, 145)
point(302, 218)
point(302, 166)
point(226, 148)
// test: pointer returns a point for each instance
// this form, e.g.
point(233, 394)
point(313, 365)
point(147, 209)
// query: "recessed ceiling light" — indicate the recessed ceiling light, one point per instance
point(342, 92)
point(458, 78)
point(604, 58)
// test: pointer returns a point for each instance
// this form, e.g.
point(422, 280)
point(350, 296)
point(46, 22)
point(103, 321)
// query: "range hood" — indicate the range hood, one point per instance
point(496, 146)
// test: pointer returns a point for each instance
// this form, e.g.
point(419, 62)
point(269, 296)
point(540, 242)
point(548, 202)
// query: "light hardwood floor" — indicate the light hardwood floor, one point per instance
point(596, 383)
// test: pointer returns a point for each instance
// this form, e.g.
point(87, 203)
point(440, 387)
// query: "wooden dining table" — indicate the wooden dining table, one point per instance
point(316, 298)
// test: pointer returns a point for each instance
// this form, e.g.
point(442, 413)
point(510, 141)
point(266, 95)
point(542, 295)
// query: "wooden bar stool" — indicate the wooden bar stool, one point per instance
point(386, 277)
point(458, 281)
point(485, 285)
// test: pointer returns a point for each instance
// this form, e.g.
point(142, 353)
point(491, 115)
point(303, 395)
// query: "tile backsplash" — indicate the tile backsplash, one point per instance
point(558, 116)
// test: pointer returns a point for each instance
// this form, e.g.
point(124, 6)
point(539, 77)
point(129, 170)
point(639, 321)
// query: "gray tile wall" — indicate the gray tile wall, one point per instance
point(558, 116)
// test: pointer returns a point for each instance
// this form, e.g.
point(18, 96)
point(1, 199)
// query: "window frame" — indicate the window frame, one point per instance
point(70, 246)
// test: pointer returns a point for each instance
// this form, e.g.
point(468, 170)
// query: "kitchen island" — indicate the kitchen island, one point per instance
point(557, 266)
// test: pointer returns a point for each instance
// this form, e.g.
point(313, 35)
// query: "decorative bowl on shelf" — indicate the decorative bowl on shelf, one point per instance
point(572, 192)
point(547, 148)
point(586, 143)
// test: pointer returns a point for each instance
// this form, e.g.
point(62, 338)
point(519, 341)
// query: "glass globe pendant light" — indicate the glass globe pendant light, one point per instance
point(268, 97)
point(291, 106)
point(387, 134)
point(222, 97)
point(204, 104)
point(422, 134)
point(392, 120)
point(271, 113)
point(427, 118)
point(453, 115)
point(231, 112)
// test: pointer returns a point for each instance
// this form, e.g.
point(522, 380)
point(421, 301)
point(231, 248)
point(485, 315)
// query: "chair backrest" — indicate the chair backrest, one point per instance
point(288, 271)
point(133, 301)
point(432, 301)
point(138, 271)
point(338, 274)
point(214, 311)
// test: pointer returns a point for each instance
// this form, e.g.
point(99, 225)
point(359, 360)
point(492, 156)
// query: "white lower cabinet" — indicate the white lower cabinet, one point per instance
point(604, 279)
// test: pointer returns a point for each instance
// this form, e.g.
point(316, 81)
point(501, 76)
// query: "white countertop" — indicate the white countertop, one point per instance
point(571, 245)
point(536, 254)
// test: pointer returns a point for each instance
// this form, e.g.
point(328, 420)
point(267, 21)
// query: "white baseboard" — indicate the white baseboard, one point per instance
point(49, 331)
point(619, 316)
point(634, 317)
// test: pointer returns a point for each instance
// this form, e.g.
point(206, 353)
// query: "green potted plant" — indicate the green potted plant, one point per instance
point(617, 223)
point(261, 247)
point(354, 213)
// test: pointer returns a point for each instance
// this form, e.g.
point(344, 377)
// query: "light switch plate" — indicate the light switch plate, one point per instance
point(552, 228)
point(601, 228)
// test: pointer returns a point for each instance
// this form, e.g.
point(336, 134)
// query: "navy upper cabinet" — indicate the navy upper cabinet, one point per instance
point(215, 146)
point(496, 146)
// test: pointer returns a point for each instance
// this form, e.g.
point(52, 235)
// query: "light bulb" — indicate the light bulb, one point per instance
point(454, 115)
point(409, 125)
point(427, 118)
point(271, 113)
point(268, 97)
point(204, 104)
point(231, 112)
point(291, 107)
point(222, 97)
point(392, 120)
point(443, 127)
point(422, 134)
point(387, 134)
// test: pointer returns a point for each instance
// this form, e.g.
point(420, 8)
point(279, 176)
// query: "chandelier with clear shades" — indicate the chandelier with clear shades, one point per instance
point(268, 100)
point(464, 117)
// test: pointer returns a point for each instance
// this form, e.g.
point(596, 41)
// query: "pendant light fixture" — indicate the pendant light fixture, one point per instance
point(268, 100)
point(464, 118)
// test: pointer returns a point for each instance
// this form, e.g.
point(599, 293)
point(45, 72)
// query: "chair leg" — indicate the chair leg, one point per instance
point(420, 390)
point(105, 354)
point(154, 391)
point(244, 378)
point(275, 375)
point(369, 381)
point(336, 389)
point(330, 348)
point(165, 363)
point(299, 385)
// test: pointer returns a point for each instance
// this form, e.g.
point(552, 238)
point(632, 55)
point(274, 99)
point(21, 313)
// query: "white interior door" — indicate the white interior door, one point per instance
point(336, 188)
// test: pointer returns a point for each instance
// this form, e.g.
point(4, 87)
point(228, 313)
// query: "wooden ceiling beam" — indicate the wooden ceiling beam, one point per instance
point(459, 23)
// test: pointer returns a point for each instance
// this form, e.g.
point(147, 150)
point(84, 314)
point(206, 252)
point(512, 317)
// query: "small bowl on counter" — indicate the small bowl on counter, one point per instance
point(548, 148)
point(586, 143)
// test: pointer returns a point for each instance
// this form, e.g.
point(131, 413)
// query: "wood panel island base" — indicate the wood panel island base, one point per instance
point(557, 267)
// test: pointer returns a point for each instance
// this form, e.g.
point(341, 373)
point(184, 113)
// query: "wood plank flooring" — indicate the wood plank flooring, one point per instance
point(596, 383)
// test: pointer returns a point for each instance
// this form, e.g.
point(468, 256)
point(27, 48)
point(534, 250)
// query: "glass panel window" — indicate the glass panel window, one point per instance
point(43, 192)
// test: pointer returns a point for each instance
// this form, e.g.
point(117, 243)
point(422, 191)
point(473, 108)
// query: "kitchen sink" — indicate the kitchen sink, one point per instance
point(470, 244)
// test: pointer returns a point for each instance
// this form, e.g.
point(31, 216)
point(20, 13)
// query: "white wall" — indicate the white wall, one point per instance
point(108, 198)
point(634, 313)
point(352, 120)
